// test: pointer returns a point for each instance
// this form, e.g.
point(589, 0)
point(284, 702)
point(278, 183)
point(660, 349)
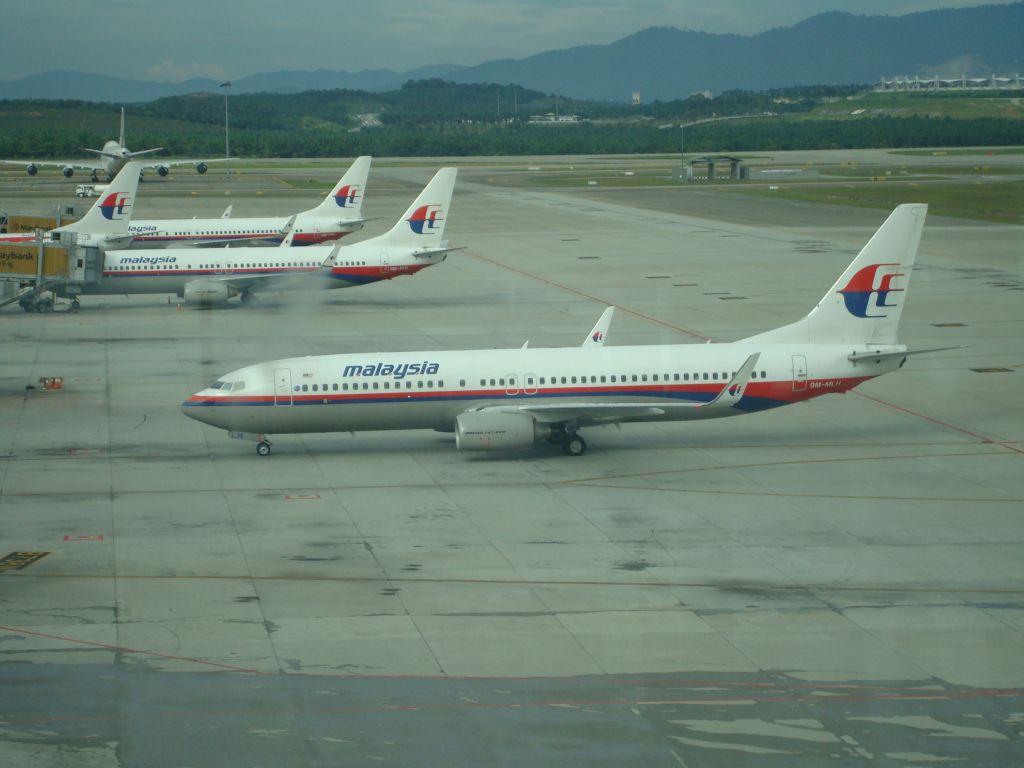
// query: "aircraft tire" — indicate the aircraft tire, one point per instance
point(574, 445)
point(263, 448)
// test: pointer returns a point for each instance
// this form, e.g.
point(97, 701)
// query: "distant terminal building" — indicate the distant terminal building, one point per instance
point(918, 83)
point(711, 168)
point(706, 168)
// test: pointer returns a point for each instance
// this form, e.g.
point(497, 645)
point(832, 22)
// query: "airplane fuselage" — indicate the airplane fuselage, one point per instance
point(128, 272)
point(428, 390)
point(308, 230)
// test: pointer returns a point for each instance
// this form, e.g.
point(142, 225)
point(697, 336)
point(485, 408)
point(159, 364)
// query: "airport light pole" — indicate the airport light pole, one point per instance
point(227, 143)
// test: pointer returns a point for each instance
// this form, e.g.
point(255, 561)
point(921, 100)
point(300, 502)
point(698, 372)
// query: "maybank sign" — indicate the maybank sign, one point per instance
point(398, 371)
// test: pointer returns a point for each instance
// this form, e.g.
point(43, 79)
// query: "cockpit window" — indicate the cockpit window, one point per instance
point(237, 385)
point(220, 385)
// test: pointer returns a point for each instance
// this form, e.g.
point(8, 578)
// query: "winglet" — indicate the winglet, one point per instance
point(332, 256)
point(598, 333)
point(288, 230)
point(733, 391)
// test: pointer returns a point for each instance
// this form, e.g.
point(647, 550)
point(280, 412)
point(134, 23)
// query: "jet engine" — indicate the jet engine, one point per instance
point(201, 168)
point(496, 431)
point(163, 170)
point(32, 169)
point(206, 293)
point(68, 171)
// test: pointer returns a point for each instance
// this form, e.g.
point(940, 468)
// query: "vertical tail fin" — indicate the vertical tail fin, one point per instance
point(598, 333)
point(120, 136)
point(422, 226)
point(111, 212)
point(346, 199)
point(865, 304)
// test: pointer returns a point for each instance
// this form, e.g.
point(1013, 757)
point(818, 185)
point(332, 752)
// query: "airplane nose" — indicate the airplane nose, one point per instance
point(194, 409)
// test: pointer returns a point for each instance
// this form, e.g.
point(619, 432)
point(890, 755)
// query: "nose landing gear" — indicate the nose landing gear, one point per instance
point(263, 447)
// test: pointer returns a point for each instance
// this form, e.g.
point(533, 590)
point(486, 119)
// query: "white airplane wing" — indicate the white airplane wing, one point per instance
point(78, 165)
point(585, 413)
point(176, 163)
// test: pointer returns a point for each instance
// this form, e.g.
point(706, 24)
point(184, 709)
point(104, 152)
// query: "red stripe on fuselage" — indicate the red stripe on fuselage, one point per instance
point(779, 391)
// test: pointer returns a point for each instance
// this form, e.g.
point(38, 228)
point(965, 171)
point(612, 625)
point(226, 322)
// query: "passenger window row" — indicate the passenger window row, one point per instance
point(407, 384)
point(367, 386)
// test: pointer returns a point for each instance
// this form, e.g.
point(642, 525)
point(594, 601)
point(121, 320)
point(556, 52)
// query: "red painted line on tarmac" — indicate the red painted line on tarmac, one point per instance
point(941, 423)
point(589, 296)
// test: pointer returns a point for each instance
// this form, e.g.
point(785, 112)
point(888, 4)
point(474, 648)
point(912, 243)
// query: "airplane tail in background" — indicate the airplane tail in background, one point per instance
point(120, 136)
point(346, 199)
point(111, 212)
point(422, 226)
point(865, 304)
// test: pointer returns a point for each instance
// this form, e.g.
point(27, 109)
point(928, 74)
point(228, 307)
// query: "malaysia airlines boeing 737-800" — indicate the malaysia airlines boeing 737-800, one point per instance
point(339, 214)
point(209, 276)
point(508, 399)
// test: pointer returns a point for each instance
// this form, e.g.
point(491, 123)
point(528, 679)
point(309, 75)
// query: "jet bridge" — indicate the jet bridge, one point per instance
point(28, 270)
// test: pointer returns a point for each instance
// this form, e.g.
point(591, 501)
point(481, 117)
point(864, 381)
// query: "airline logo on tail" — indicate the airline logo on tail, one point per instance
point(116, 206)
point(859, 291)
point(347, 195)
point(425, 218)
point(597, 336)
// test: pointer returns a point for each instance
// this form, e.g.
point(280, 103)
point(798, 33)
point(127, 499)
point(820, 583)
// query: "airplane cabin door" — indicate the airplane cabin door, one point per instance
point(385, 262)
point(282, 386)
point(799, 373)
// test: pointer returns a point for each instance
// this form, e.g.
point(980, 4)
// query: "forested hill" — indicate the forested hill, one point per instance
point(437, 117)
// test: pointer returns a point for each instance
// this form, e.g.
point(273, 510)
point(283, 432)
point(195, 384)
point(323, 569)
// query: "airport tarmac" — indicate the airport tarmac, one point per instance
point(836, 582)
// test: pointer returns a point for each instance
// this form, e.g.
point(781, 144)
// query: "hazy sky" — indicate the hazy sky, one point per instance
point(177, 39)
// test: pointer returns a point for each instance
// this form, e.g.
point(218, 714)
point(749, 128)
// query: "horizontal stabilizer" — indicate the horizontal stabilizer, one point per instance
point(877, 355)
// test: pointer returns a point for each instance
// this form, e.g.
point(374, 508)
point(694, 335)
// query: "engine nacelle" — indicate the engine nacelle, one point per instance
point(490, 431)
point(68, 171)
point(201, 168)
point(163, 170)
point(206, 293)
point(32, 169)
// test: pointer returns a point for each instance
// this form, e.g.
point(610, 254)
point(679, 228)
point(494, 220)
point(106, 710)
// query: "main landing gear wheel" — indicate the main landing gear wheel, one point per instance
point(574, 445)
point(75, 305)
point(263, 448)
point(247, 297)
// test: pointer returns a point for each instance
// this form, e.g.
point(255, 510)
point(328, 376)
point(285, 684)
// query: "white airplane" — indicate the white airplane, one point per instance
point(113, 156)
point(508, 399)
point(209, 276)
point(339, 214)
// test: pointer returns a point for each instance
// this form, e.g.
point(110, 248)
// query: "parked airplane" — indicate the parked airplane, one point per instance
point(209, 276)
point(338, 215)
point(508, 399)
point(113, 156)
